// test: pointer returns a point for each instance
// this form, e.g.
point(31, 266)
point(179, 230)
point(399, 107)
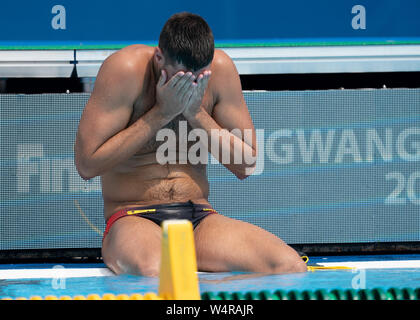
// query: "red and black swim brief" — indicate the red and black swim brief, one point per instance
point(158, 213)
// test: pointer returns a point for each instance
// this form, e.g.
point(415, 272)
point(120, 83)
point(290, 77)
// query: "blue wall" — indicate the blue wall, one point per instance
point(335, 166)
point(125, 21)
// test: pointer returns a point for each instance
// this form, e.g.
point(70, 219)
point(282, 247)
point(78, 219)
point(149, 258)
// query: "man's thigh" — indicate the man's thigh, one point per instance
point(133, 245)
point(225, 244)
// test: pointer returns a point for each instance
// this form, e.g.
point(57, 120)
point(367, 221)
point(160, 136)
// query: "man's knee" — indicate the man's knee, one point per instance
point(150, 269)
point(142, 266)
point(291, 265)
point(298, 266)
point(145, 264)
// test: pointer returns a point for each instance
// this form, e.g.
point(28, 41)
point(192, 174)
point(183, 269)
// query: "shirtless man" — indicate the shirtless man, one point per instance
point(138, 91)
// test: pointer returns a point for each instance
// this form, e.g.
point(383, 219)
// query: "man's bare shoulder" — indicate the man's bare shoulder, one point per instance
point(123, 72)
point(131, 58)
point(224, 75)
point(223, 68)
point(136, 51)
point(221, 61)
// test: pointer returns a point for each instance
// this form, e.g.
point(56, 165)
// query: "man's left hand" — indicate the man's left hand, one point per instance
point(199, 88)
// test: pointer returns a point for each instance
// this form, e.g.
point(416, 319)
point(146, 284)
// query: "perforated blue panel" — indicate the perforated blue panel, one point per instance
point(335, 166)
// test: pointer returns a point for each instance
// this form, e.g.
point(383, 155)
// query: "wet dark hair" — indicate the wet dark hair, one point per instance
point(186, 38)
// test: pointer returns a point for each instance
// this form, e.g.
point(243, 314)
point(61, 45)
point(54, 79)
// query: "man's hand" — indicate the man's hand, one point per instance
point(173, 96)
point(198, 89)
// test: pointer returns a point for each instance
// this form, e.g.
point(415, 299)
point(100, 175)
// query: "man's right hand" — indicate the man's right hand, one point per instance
point(172, 97)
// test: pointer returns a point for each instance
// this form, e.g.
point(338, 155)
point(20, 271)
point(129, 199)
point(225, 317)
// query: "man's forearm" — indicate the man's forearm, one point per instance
point(232, 151)
point(123, 145)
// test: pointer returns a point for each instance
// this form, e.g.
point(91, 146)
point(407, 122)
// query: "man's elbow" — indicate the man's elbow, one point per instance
point(85, 171)
point(245, 172)
point(85, 174)
point(242, 176)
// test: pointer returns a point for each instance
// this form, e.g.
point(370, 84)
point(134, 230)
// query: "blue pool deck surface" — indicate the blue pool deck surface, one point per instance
point(369, 278)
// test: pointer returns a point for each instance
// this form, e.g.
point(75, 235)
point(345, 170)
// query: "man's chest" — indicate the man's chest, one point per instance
point(179, 126)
